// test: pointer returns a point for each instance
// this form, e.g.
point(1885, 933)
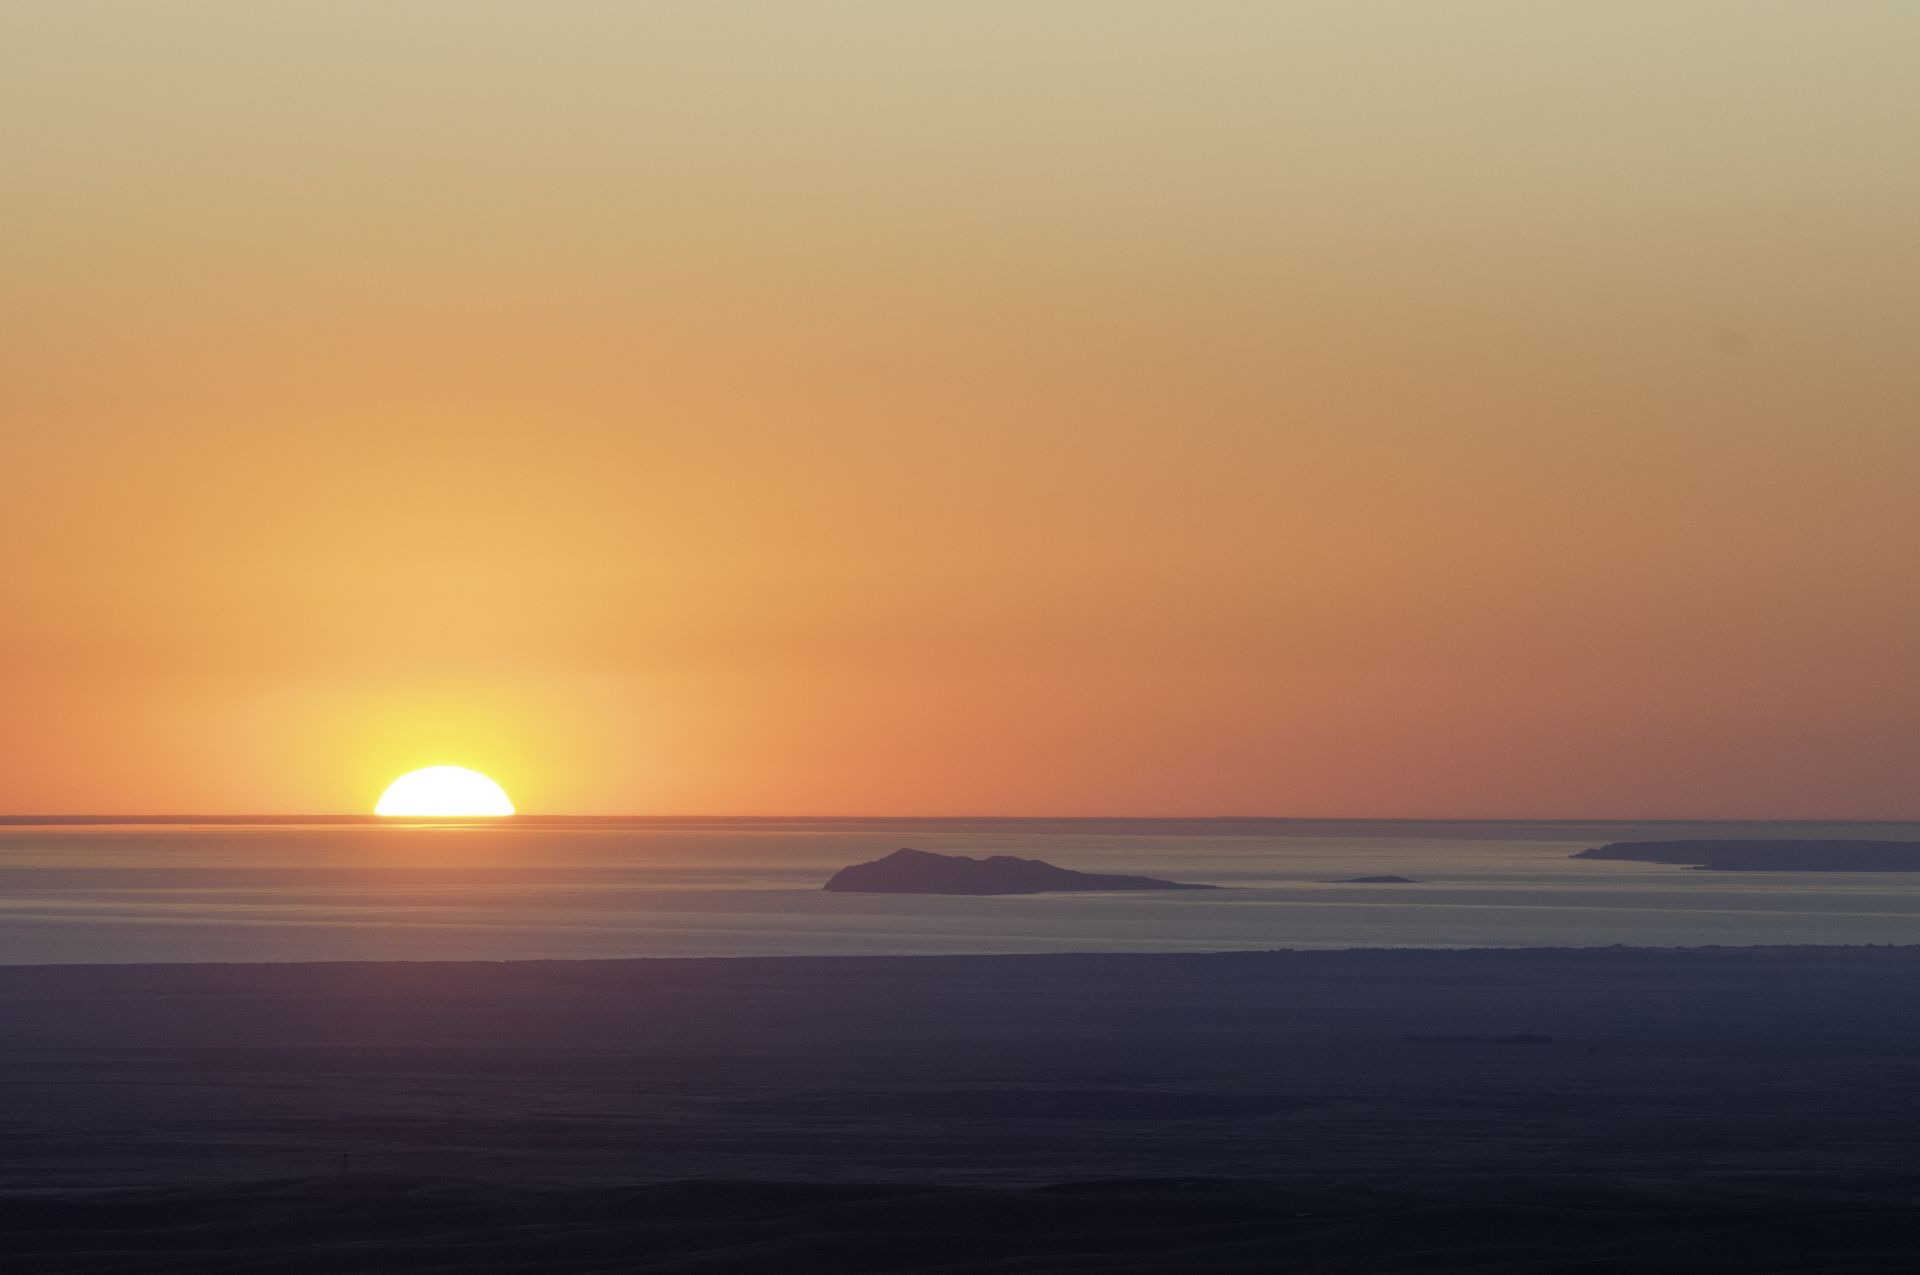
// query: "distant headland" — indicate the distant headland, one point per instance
point(908, 871)
point(1769, 856)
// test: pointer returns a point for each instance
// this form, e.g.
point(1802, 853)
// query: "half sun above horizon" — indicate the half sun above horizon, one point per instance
point(442, 791)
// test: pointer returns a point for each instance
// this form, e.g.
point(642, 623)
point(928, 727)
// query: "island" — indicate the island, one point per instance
point(909, 871)
point(1386, 880)
point(1769, 855)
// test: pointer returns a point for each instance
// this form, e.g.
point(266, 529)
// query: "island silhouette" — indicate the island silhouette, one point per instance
point(909, 871)
point(1775, 855)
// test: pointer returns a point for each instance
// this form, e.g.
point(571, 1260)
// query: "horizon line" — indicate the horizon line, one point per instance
point(21, 820)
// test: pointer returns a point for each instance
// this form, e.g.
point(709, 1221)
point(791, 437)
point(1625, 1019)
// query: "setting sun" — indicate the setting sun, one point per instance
point(442, 791)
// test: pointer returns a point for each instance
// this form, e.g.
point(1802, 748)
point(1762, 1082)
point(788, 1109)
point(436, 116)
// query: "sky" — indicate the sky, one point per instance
point(1481, 409)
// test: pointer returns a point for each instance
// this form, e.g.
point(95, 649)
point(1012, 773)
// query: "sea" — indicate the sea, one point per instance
point(77, 891)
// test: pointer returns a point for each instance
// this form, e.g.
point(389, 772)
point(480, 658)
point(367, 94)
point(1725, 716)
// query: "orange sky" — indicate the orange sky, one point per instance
point(1377, 409)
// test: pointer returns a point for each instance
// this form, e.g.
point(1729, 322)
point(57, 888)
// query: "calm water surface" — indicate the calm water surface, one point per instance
point(675, 887)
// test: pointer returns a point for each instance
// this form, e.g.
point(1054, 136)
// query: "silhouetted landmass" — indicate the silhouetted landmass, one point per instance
point(1717, 1109)
point(1769, 856)
point(1286, 1226)
point(1386, 880)
point(908, 871)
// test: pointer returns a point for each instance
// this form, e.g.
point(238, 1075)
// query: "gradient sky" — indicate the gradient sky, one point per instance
point(1478, 409)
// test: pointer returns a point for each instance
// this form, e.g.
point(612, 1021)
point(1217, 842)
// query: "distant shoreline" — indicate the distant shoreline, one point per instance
point(1821, 951)
point(1223, 822)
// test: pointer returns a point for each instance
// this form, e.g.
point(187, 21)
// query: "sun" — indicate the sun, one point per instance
point(439, 791)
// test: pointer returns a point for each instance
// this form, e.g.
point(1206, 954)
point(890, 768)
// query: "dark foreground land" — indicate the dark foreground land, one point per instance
point(1594, 1110)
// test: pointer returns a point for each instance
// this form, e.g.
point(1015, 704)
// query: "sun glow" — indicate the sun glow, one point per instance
point(439, 791)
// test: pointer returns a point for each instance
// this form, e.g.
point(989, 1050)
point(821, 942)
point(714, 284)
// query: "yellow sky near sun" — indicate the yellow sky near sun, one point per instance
point(1375, 409)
